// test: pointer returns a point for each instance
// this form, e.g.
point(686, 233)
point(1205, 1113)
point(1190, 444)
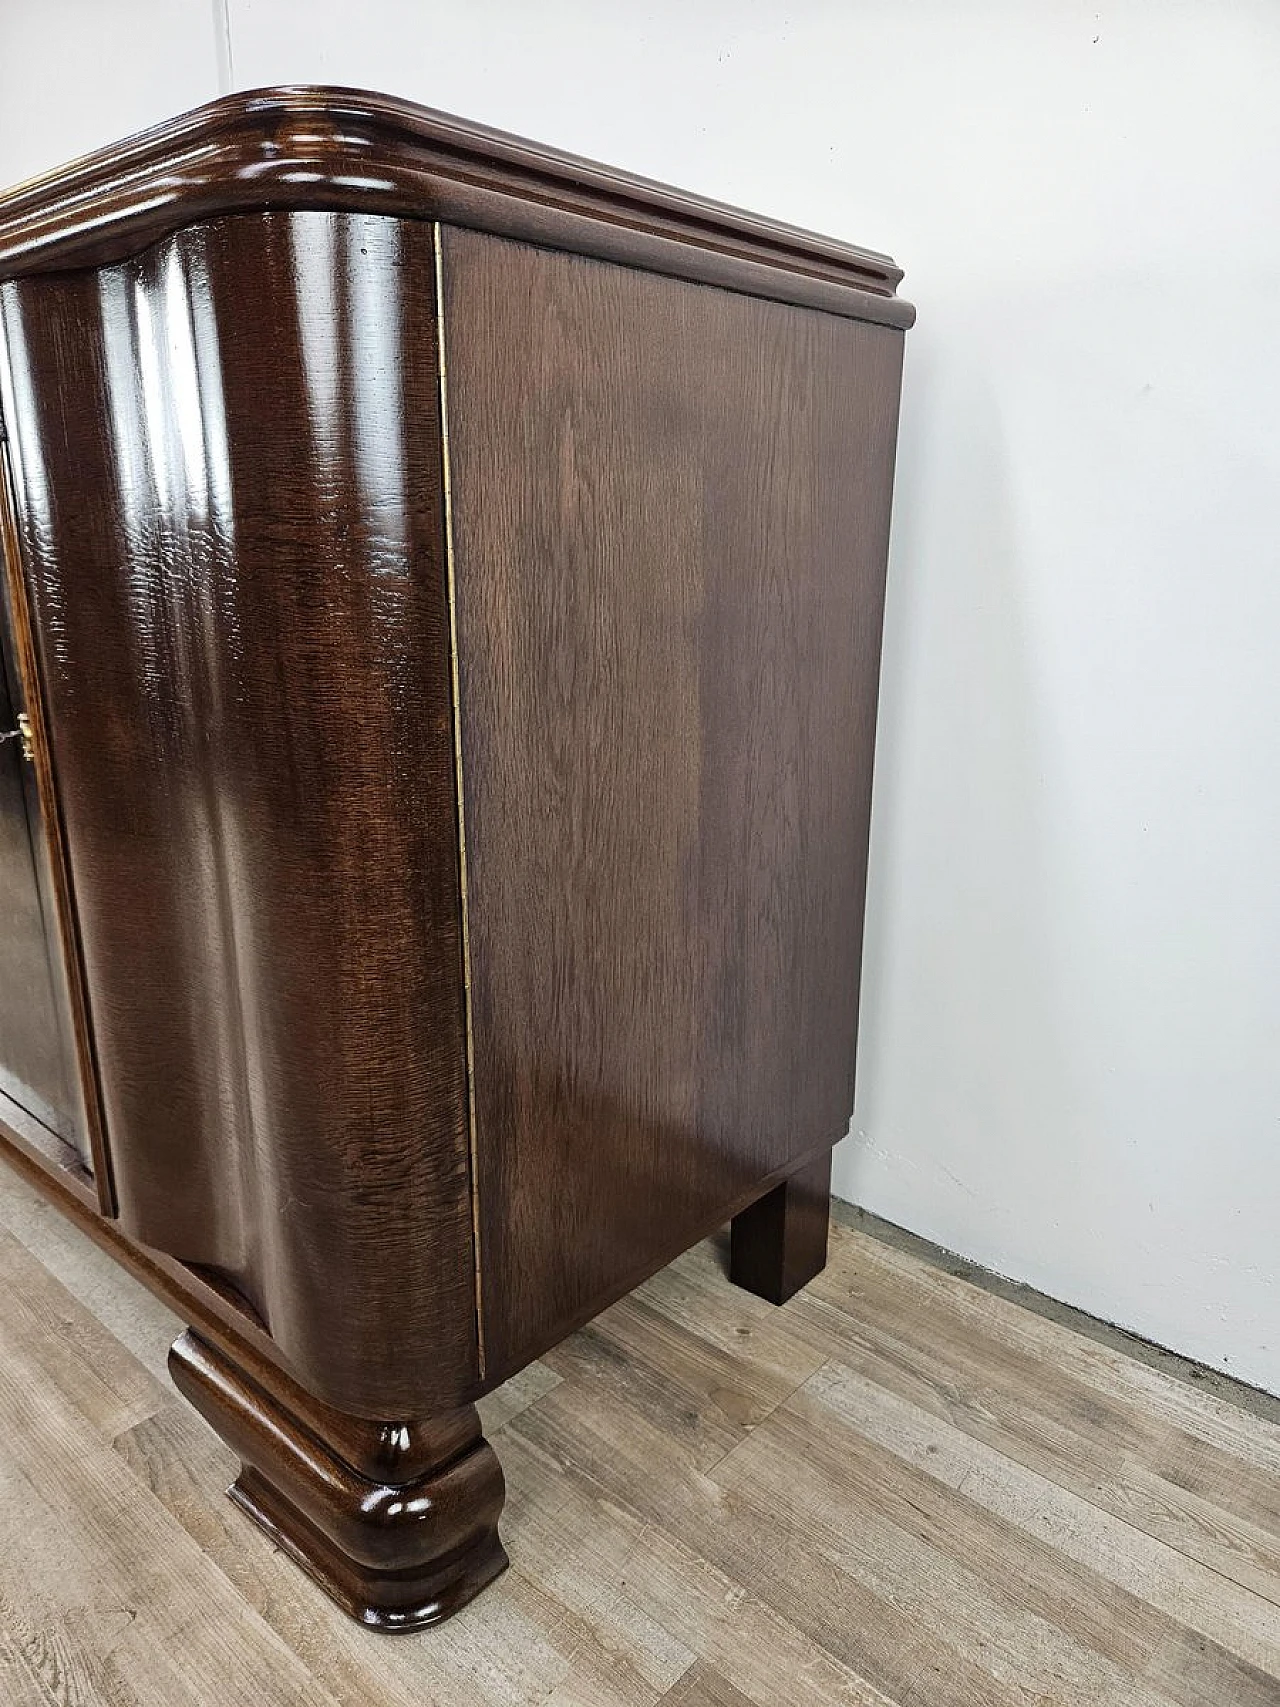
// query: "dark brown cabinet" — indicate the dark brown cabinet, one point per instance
point(446, 584)
point(38, 1070)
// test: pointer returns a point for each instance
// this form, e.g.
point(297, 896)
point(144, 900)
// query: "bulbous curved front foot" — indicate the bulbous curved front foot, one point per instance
point(398, 1522)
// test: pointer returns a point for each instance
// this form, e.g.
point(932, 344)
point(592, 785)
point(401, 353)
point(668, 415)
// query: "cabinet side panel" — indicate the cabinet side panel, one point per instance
point(227, 459)
point(670, 520)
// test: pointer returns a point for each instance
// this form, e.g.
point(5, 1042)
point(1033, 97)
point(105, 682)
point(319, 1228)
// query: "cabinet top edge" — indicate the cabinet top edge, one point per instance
point(301, 147)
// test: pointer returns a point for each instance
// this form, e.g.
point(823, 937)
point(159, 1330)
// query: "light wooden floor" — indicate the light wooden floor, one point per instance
point(899, 1489)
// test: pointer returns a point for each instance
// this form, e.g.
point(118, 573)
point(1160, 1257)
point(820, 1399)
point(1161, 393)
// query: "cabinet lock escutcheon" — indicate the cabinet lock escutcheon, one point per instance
point(21, 734)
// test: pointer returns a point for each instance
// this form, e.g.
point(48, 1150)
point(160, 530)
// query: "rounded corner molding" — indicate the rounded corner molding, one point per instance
point(299, 147)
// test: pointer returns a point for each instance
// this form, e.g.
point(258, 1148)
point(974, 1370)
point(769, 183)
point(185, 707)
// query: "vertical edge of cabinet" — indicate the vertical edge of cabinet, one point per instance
point(446, 490)
point(229, 493)
point(68, 939)
point(670, 509)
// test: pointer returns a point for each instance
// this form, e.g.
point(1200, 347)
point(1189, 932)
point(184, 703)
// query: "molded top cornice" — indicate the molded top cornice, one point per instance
point(325, 148)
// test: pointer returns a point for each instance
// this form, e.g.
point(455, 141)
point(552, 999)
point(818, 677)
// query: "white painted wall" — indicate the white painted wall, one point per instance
point(77, 74)
point(1070, 1063)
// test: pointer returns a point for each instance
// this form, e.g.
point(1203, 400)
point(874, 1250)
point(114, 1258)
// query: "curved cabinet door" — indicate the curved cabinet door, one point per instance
point(37, 1053)
point(227, 479)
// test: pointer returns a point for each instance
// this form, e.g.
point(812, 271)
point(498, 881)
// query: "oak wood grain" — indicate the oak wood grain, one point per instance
point(233, 543)
point(669, 519)
point(264, 608)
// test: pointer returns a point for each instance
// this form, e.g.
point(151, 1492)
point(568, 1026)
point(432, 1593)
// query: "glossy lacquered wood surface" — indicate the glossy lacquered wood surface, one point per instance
point(452, 660)
point(85, 1167)
point(400, 1539)
point(669, 520)
point(299, 147)
point(37, 1057)
point(228, 475)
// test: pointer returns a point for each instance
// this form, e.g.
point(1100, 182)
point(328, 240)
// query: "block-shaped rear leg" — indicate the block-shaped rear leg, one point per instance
point(779, 1243)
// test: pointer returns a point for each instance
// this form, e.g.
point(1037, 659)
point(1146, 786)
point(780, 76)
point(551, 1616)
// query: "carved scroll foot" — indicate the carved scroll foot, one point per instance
point(397, 1522)
point(779, 1243)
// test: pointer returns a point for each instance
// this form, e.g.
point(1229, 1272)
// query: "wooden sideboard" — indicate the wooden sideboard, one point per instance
point(440, 656)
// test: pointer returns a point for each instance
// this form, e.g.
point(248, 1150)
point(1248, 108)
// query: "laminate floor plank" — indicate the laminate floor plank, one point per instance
point(899, 1490)
point(513, 1396)
point(135, 1318)
point(760, 1551)
point(860, 1262)
point(1186, 1590)
point(1079, 1413)
point(763, 1345)
point(1015, 1602)
point(106, 1598)
point(705, 1688)
point(46, 1329)
point(671, 1585)
point(529, 1645)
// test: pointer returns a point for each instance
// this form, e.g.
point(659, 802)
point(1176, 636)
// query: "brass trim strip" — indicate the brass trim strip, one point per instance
point(457, 771)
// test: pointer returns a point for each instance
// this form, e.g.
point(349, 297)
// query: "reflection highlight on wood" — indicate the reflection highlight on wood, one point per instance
point(401, 1537)
point(447, 599)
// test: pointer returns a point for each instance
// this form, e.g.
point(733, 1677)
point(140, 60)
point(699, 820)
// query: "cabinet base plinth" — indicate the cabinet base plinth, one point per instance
point(398, 1549)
